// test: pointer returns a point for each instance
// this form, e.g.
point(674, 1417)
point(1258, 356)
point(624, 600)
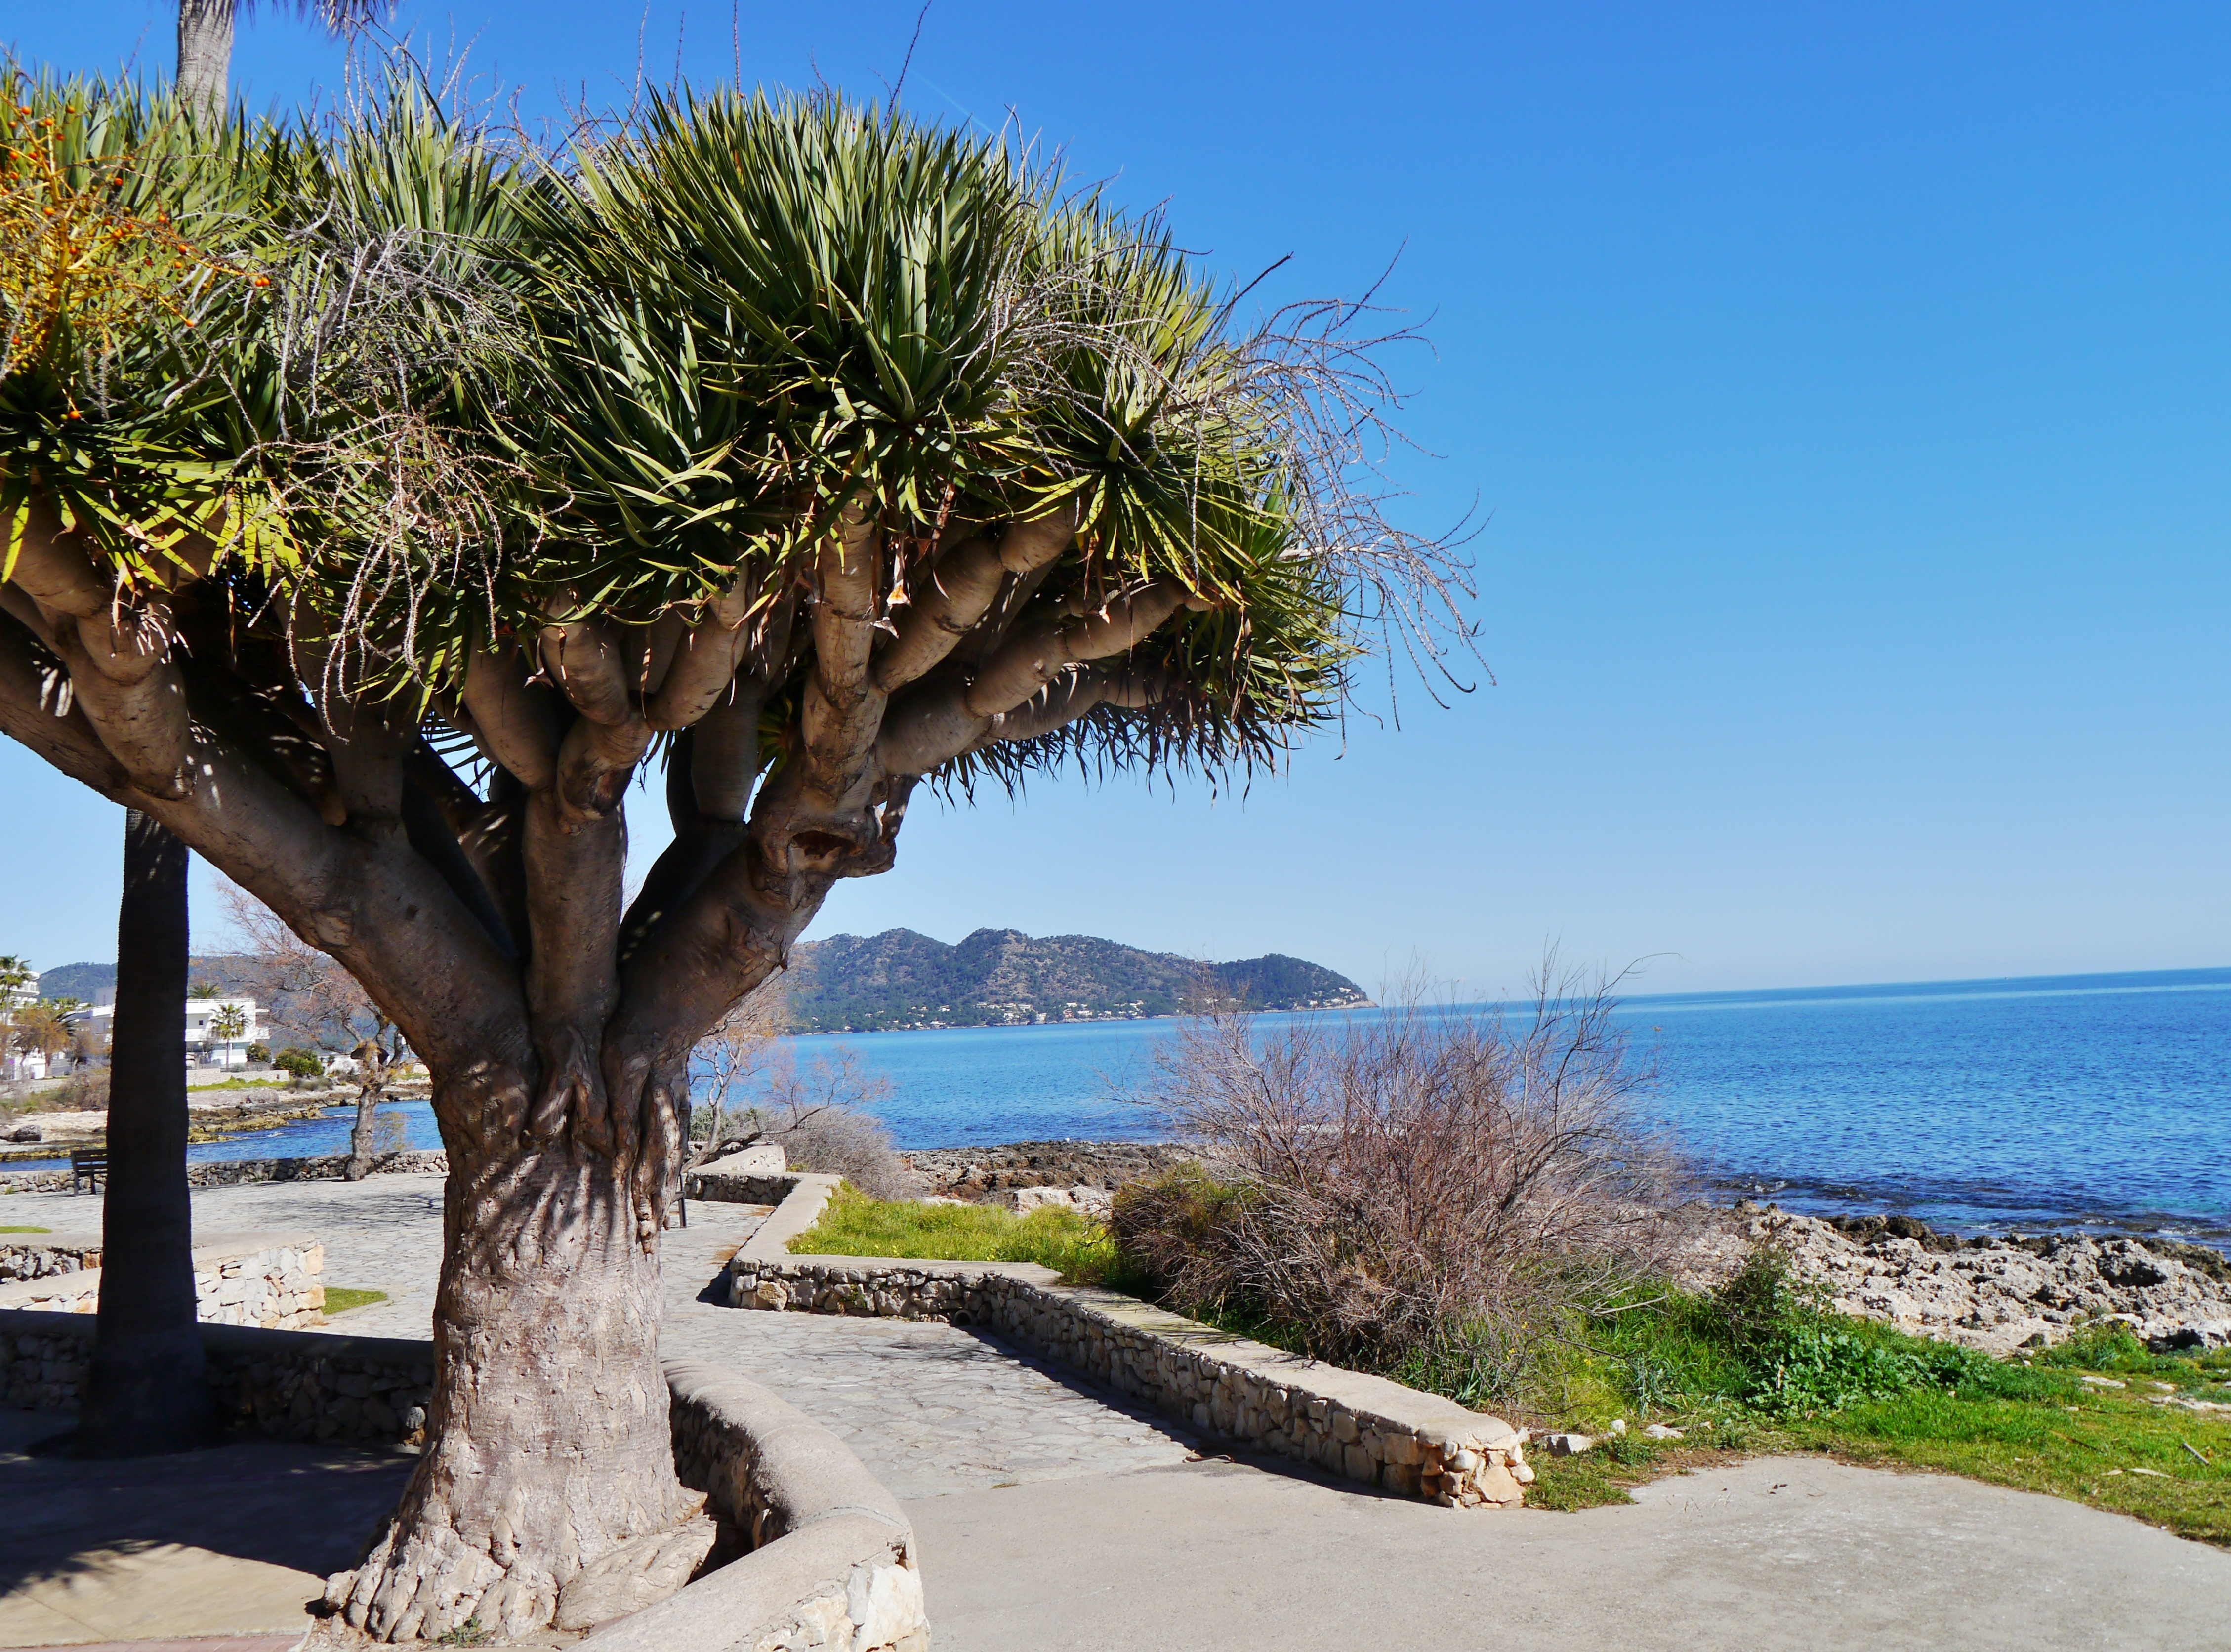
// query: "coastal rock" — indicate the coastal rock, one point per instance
point(1996, 1293)
point(983, 1175)
point(1026, 1199)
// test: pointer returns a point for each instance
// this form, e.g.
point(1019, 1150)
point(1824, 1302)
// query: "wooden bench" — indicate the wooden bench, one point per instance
point(90, 1166)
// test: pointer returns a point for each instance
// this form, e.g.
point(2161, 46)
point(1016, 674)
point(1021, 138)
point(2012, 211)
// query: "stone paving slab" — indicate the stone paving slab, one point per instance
point(228, 1542)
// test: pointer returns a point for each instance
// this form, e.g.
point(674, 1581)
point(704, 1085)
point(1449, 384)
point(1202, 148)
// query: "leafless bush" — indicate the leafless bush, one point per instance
point(821, 1119)
point(1379, 1188)
point(86, 1090)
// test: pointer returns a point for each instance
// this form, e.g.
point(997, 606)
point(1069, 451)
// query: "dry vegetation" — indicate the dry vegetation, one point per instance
point(1454, 1184)
point(823, 1118)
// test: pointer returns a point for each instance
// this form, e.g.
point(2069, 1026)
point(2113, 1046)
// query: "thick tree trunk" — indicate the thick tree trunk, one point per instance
point(145, 1392)
point(205, 55)
point(549, 1442)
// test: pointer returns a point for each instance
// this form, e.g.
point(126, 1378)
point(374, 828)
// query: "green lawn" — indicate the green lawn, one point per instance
point(1074, 1245)
point(1760, 1368)
point(340, 1298)
point(26, 1230)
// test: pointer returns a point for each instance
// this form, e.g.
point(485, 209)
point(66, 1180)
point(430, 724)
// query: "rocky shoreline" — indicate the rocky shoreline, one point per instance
point(1997, 1292)
point(982, 1174)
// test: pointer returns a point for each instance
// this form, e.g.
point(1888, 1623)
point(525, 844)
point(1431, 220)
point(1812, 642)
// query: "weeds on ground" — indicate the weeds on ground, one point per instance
point(340, 1298)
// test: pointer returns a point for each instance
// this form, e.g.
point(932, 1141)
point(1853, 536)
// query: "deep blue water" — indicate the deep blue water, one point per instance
point(2098, 1099)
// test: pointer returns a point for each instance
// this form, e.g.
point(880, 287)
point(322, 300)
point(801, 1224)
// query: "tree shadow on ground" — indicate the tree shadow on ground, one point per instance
point(307, 1508)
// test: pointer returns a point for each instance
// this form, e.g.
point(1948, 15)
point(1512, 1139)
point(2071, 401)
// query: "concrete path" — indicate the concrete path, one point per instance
point(227, 1542)
point(1772, 1553)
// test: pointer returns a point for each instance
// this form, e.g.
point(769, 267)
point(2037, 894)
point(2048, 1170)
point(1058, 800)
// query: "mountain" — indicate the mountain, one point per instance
point(874, 983)
point(87, 983)
point(92, 983)
point(852, 983)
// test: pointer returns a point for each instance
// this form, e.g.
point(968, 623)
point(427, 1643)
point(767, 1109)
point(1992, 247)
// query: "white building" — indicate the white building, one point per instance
point(205, 1046)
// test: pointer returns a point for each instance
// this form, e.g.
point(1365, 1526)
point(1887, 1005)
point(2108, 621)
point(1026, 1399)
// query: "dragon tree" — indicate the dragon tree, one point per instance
point(381, 502)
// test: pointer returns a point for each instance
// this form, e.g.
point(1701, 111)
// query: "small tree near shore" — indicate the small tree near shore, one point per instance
point(326, 999)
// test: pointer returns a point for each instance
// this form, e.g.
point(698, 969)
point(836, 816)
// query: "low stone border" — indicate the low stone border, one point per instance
point(288, 1384)
point(832, 1559)
point(227, 1173)
point(758, 1174)
point(264, 1279)
point(1366, 1428)
point(29, 1258)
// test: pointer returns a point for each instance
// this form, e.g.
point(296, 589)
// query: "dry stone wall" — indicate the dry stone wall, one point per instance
point(35, 1260)
point(227, 1173)
point(290, 1385)
point(266, 1279)
point(830, 1566)
point(1365, 1427)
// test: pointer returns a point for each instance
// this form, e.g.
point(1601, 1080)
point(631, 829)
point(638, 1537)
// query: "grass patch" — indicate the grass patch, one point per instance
point(26, 1230)
point(1771, 1371)
point(340, 1298)
point(1074, 1245)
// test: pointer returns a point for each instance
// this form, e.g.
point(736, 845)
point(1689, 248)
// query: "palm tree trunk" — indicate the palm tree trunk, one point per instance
point(205, 55)
point(146, 1392)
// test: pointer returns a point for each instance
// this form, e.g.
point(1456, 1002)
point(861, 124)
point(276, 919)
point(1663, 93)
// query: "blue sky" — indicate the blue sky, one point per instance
point(1845, 390)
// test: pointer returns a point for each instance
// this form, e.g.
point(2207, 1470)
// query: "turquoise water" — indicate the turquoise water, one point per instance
point(2057, 1101)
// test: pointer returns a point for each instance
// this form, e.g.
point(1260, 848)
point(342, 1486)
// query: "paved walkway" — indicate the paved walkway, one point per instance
point(226, 1542)
point(1772, 1555)
point(928, 1408)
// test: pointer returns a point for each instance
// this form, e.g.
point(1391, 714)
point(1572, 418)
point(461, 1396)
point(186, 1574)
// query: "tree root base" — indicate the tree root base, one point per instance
point(436, 1585)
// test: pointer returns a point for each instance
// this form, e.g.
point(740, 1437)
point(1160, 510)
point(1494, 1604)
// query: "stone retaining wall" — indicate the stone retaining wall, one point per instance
point(226, 1173)
point(756, 1175)
point(1366, 1428)
point(288, 1384)
point(832, 1561)
point(40, 1259)
point(268, 1280)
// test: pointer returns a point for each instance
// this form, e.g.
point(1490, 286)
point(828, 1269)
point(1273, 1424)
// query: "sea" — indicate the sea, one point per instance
point(2069, 1102)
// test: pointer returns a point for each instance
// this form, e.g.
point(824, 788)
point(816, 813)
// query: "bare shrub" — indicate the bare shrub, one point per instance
point(85, 1091)
point(750, 1090)
point(823, 1123)
point(1431, 1187)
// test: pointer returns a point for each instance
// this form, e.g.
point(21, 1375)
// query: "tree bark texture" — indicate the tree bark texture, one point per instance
point(489, 929)
point(145, 1392)
point(548, 1314)
point(205, 30)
